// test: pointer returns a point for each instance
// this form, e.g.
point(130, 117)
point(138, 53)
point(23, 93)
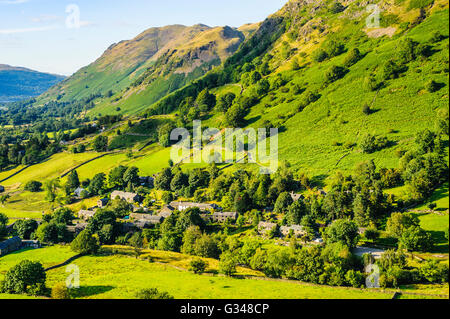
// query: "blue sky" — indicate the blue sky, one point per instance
point(34, 33)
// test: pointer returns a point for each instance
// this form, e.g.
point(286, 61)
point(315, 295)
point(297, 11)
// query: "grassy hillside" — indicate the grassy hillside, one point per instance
point(155, 63)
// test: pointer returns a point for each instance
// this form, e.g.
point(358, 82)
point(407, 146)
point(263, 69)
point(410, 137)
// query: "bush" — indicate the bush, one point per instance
point(336, 7)
point(227, 264)
point(432, 86)
point(60, 291)
point(153, 293)
point(319, 55)
point(334, 73)
point(33, 186)
point(366, 109)
point(434, 272)
point(352, 57)
point(198, 266)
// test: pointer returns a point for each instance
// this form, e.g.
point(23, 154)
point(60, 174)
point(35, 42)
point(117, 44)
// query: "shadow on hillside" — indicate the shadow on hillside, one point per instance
point(88, 291)
point(440, 242)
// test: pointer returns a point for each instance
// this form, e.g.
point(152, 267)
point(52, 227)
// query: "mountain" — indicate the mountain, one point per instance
point(156, 62)
point(330, 83)
point(17, 83)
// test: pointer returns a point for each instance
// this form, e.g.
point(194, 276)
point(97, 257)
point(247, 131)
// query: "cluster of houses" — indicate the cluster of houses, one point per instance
point(142, 218)
point(16, 243)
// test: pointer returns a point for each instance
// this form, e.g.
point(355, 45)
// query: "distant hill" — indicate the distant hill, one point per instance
point(17, 83)
point(153, 64)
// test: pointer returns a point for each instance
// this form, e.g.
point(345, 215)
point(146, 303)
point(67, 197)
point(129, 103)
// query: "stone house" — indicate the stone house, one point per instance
point(181, 206)
point(152, 219)
point(129, 197)
point(86, 214)
point(297, 230)
point(10, 245)
point(223, 216)
point(166, 211)
point(265, 227)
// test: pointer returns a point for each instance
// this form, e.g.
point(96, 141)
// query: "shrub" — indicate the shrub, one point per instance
point(352, 57)
point(198, 266)
point(153, 293)
point(33, 186)
point(319, 55)
point(366, 109)
point(334, 73)
point(227, 264)
point(336, 7)
point(60, 291)
point(432, 86)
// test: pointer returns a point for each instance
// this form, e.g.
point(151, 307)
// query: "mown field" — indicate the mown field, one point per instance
point(121, 276)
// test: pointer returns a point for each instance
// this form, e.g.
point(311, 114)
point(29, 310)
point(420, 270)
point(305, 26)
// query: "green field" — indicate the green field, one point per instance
point(119, 276)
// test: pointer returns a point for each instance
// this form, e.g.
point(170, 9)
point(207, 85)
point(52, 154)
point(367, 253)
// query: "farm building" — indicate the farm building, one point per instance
point(223, 216)
point(265, 227)
point(31, 244)
point(181, 206)
point(78, 228)
point(86, 214)
point(10, 245)
point(296, 230)
point(152, 219)
point(129, 197)
point(166, 211)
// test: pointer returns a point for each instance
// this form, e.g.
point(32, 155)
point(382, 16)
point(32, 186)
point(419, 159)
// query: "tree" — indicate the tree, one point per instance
point(179, 181)
point(206, 101)
point(3, 223)
point(85, 243)
point(190, 236)
point(73, 182)
point(189, 217)
point(206, 246)
point(296, 212)
point(198, 266)
point(24, 228)
point(51, 232)
point(63, 215)
point(227, 264)
point(284, 201)
point(25, 277)
point(398, 223)
point(415, 239)
point(33, 186)
point(163, 179)
point(51, 188)
point(98, 184)
point(131, 177)
point(344, 231)
point(116, 177)
point(100, 143)
point(336, 7)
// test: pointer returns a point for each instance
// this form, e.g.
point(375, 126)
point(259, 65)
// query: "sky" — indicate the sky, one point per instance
point(59, 36)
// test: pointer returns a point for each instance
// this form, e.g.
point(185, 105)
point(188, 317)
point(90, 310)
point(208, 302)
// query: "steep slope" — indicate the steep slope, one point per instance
point(327, 81)
point(17, 83)
point(177, 63)
point(172, 50)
